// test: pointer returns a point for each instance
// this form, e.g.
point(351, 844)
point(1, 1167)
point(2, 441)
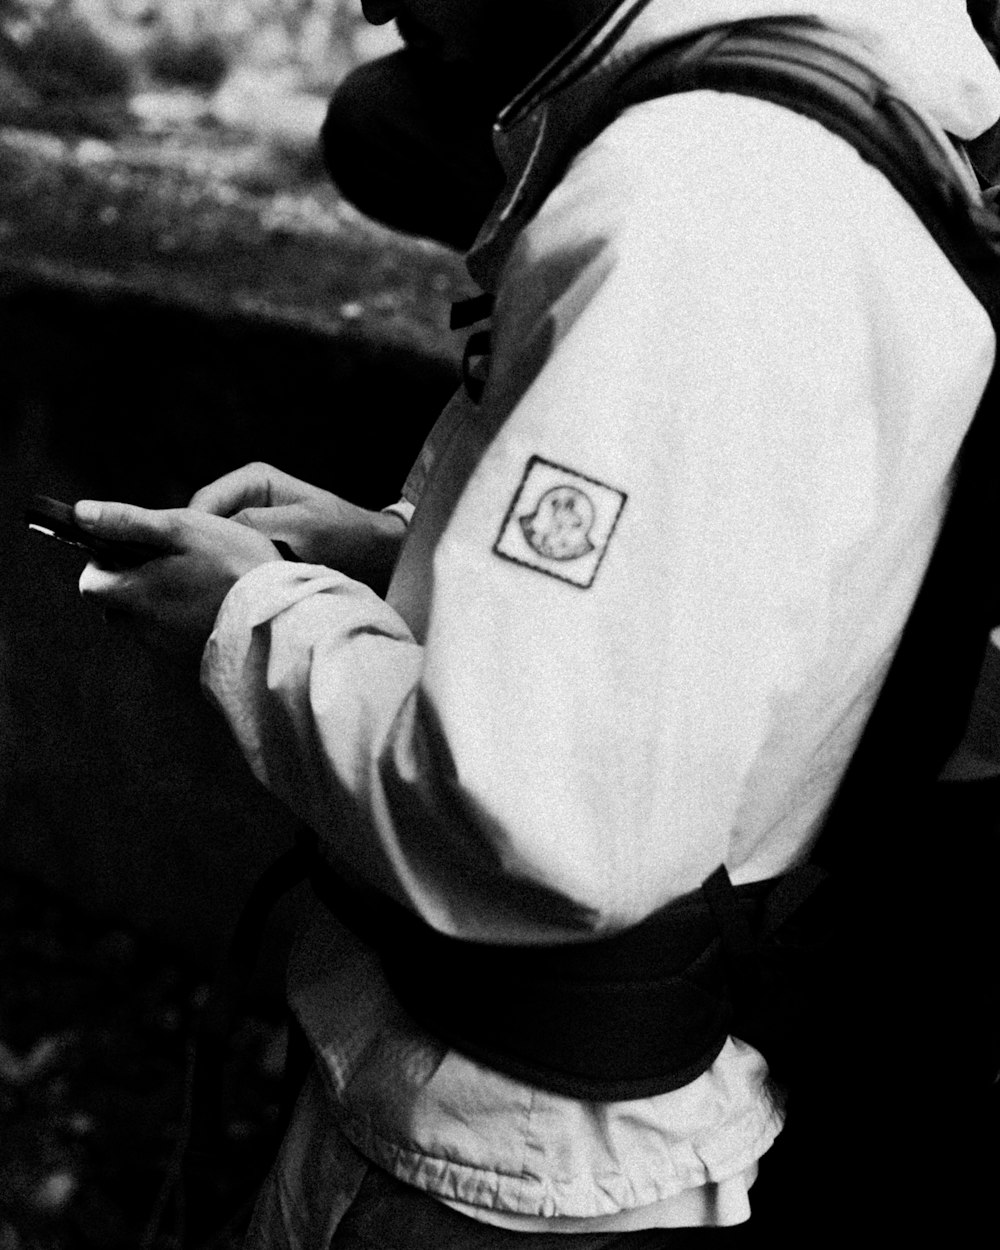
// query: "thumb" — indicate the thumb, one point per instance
point(124, 522)
point(276, 522)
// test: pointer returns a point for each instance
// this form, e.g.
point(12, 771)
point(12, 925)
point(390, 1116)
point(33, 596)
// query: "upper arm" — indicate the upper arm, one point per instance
point(737, 380)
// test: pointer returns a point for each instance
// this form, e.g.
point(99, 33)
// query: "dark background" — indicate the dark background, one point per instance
point(121, 787)
point(181, 292)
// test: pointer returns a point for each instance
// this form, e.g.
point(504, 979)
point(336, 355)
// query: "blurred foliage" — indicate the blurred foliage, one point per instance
point(199, 62)
point(67, 57)
point(78, 64)
point(190, 41)
point(59, 54)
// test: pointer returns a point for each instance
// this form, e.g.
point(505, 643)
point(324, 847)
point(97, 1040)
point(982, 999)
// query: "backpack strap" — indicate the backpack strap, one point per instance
point(806, 67)
point(879, 851)
point(802, 65)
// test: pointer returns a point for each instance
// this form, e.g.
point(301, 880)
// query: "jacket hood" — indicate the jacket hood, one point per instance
point(928, 48)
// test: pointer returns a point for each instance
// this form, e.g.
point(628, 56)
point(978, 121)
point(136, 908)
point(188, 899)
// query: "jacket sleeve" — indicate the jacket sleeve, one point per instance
point(692, 516)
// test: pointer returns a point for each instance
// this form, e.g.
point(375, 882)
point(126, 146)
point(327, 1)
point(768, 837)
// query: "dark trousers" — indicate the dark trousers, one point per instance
point(388, 1215)
point(410, 145)
point(322, 1194)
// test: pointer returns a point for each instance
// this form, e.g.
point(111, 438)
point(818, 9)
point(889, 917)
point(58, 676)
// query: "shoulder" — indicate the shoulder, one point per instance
point(712, 190)
point(699, 181)
point(708, 240)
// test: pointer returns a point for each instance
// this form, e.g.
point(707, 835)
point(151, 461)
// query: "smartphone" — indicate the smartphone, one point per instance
point(55, 520)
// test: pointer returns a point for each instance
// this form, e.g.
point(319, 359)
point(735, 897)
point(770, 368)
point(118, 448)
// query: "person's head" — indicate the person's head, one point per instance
point(505, 41)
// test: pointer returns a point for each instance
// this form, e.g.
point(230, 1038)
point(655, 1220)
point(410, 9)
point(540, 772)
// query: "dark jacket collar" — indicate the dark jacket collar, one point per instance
point(535, 134)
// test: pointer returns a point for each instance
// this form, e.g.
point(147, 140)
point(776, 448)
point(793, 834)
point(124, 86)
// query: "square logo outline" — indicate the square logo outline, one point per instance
point(533, 461)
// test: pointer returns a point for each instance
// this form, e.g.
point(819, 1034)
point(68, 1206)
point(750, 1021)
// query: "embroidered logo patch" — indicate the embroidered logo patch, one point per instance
point(560, 522)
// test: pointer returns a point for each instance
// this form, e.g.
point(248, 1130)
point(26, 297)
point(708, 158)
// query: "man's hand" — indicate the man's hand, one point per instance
point(321, 528)
point(172, 600)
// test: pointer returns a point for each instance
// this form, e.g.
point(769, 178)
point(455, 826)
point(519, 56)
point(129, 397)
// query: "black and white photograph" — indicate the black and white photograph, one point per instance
point(499, 624)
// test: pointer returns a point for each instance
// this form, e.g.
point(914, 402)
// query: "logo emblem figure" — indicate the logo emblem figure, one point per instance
point(561, 524)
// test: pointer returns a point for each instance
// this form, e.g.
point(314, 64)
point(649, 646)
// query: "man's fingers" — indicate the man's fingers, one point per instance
point(124, 522)
point(111, 587)
point(249, 487)
point(96, 580)
point(271, 522)
point(229, 494)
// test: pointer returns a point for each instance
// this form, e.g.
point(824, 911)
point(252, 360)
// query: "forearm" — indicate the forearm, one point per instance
point(324, 689)
point(362, 544)
point(309, 668)
point(317, 526)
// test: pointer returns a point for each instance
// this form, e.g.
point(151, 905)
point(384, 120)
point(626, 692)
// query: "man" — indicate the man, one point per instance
point(641, 600)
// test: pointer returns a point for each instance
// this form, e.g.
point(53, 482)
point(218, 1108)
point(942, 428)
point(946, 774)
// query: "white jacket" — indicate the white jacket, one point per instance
point(649, 592)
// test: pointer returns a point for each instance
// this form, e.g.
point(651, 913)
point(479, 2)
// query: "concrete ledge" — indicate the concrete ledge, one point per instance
point(203, 225)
